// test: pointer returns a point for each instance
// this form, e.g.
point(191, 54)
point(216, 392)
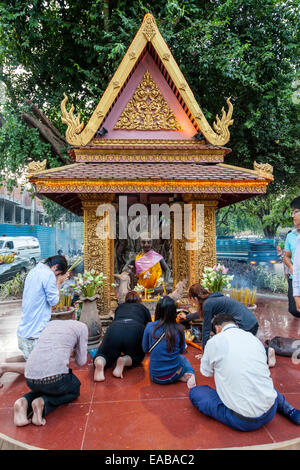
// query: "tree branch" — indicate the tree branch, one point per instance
point(43, 118)
point(58, 146)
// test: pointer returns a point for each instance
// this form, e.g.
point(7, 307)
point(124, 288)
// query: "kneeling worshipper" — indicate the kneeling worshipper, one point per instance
point(245, 398)
point(47, 372)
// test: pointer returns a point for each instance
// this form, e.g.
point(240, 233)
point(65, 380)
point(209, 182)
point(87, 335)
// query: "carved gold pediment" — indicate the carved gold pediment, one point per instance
point(217, 134)
point(147, 109)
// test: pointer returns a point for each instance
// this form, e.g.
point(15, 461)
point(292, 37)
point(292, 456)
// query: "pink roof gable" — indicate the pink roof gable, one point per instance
point(148, 64)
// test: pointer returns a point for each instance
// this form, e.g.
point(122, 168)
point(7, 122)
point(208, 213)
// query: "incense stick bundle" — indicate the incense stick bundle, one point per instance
point(75, 264)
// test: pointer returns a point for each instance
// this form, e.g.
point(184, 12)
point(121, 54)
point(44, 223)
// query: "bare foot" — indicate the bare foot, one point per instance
point(99, 369)
point(2, 369)
point(20, 412)
point(189, 378)
point(271, 357)
point(118, 370)
point(191, 383)
point(38, 408)
point(15, 359)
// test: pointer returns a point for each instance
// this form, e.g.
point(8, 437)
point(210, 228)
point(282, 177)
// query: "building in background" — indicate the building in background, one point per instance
point(22, 215)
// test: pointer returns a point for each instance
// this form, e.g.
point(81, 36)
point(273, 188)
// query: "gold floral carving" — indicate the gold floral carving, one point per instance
point(149, 143)
point(73, 123)
point(132, 55)
point(171, 186)
point(147, 109)
point(157, 158)
point(149, 27)
point(189, 263)
point(207, 255)
point(97, 251)
point(180, 261)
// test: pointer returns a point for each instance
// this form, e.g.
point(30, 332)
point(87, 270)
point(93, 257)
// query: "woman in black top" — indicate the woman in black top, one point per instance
point(210, 305)
point(122, 342)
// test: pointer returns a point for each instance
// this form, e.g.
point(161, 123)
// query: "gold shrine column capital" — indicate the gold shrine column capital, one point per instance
point(206, 199)
point(93, 200)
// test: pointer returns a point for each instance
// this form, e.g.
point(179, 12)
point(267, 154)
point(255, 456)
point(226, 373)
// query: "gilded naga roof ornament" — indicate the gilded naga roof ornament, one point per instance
point(263, 169)
point(221, 125)
point(73, 123)
point(36, 166)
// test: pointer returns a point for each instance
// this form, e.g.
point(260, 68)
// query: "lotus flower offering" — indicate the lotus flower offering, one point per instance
point(88, 283)
point(216, 279)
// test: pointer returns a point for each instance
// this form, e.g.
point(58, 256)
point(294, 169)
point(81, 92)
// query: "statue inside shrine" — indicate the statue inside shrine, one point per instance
point(149, 266)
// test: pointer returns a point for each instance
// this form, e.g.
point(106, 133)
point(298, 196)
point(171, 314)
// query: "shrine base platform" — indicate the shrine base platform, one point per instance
point(135, 414)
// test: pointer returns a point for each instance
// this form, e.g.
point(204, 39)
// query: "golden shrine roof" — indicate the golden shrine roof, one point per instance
point(148, 171)
point(66, 185)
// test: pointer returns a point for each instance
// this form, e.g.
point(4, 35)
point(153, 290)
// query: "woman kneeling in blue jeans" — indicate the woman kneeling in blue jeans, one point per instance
point(165, 340)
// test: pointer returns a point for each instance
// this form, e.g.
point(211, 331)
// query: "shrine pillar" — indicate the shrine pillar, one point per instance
point(98, 246)
point(197, 247)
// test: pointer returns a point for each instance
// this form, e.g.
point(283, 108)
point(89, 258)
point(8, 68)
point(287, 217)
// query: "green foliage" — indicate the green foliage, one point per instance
point(274, 283)
point(259, 277)
point(56, 212)
point(19, 144)
point(262, 214)
point(246, 50)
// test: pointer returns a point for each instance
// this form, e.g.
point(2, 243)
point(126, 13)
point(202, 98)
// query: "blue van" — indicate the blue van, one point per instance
point(250, 250)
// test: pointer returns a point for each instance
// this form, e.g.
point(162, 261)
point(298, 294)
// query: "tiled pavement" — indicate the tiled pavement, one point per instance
point(135, 414)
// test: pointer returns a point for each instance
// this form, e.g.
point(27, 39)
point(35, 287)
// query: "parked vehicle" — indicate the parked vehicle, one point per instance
point(26, 247)
point(9, 271)
point(254, 251)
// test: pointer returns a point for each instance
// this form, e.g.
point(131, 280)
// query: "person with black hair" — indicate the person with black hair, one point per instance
point(164, 339)
point(41, 292)
point(50, 380)
point(122, 342)
point(210, 304)
point(290, 256)
point(245, 398)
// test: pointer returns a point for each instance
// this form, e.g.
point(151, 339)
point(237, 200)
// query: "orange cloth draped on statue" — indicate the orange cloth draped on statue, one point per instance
point(148, 269)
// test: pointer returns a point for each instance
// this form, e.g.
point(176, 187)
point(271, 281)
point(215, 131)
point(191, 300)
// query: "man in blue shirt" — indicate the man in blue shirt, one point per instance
point(41, 293)
point(289, 254)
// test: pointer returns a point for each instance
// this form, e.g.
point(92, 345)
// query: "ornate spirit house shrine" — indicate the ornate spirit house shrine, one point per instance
point(148, 140)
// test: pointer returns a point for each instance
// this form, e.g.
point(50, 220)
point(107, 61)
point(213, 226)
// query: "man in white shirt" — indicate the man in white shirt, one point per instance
point(245, 398)
point(41, 293)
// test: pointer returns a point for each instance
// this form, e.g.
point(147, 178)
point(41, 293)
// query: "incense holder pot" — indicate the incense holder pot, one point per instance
point(89, 315)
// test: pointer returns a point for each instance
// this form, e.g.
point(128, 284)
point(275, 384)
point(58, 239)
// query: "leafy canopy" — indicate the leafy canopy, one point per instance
point(246, 50)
